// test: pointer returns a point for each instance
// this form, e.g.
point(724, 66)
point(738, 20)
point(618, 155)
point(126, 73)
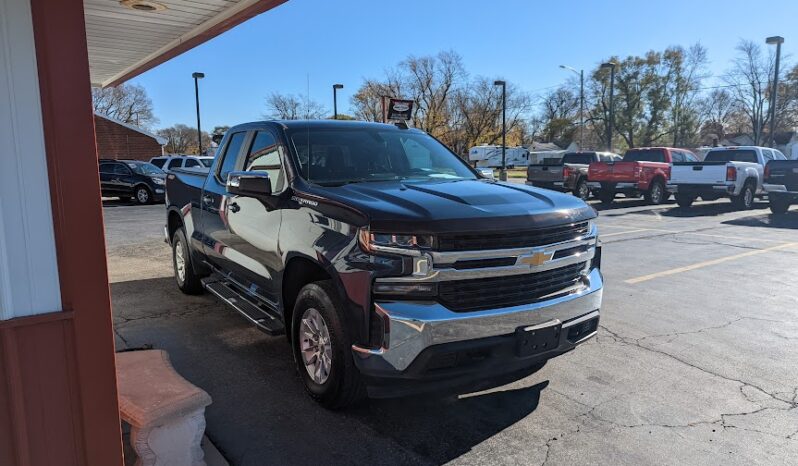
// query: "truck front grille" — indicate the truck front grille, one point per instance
point(511, 239)
point(496, 292)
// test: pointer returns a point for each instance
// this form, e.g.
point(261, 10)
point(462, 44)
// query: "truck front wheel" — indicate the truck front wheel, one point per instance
point(322, 348)
point(188, 281)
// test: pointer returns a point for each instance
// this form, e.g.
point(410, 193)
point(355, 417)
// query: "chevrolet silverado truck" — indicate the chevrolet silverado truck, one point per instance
point(570, 175)
point(781, 184)
point(733, 172)
point(392, 267)
point(643, 171)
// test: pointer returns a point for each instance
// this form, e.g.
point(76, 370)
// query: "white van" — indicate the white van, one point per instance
point(491, 156)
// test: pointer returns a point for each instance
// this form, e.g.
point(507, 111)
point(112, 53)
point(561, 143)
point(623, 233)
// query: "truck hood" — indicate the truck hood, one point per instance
point(456, 206)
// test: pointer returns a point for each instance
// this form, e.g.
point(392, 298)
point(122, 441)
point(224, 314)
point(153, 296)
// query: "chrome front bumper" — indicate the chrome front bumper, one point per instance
point(415, 326)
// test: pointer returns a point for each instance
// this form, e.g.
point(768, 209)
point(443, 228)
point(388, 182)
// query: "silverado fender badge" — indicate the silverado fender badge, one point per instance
point(302, 200)
point(535, 259)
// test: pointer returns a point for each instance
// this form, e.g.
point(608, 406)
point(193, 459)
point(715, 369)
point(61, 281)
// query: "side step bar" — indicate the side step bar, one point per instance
point(264, 318)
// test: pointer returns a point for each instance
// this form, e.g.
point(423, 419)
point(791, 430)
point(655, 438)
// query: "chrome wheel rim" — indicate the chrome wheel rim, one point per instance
point(142, 195)
point(180, 262)
point(583, 191)
point(656, 194)
point(749, 197)
point(315, 346)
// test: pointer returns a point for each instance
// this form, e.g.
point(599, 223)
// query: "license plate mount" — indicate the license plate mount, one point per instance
point(536, 339)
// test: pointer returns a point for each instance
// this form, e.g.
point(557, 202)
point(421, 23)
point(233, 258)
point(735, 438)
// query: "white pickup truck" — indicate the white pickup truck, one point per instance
point(734, 172)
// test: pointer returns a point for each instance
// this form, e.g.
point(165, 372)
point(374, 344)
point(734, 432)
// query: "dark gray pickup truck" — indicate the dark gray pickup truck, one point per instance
point(781, 184)
point(569, 174)
point(391, 266)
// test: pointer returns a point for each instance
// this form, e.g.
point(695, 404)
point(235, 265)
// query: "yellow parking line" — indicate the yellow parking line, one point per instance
point(604, 235)
point(708, 263)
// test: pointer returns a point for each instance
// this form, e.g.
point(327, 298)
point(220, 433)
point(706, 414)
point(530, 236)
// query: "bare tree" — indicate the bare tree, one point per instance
point(293, 107)
point(689, 69)
point(368, 103)
point(749, 80)
point(182, 139)
point(127, 103)
point(560, 115)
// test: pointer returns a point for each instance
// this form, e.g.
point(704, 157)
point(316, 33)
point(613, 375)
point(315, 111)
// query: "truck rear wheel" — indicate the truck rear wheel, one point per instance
point(684, 200)
point(744, 200)
point(656, 193)
point(779, 206)
point(582, 191)
point(187, 280)
point(322, 348)
point(606, 196)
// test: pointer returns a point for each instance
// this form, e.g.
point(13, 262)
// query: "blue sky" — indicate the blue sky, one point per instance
point(304, 46)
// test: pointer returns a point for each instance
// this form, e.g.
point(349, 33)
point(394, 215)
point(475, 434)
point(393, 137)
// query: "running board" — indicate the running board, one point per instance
point(265, 319)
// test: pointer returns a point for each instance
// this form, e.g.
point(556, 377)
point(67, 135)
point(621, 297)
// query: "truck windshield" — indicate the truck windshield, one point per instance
point(644, 155)
point(582, 159)
point(731, 155)
point(336, 157)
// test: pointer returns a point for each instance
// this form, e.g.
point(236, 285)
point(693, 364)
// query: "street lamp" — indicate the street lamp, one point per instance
point(503, 172)
point(581, 74)
point(611, 66)
point(335, 99)
point(197, 76)
point(778, 40)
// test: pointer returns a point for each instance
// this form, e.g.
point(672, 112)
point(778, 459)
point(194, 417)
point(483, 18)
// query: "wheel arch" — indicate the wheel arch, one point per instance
point(299, 271)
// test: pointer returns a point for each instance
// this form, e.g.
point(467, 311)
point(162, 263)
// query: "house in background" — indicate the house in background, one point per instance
point(118, 140)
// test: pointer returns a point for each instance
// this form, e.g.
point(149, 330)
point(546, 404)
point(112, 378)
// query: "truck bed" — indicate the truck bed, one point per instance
point(544, 174)
point(783, 172)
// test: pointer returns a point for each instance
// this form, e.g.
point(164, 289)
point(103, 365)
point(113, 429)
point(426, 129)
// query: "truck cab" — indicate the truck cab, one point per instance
point(389, 264)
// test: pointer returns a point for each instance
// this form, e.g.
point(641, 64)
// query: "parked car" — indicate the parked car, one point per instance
point(733, 172)
point(642, 171)
point(170, 162)
point(392, 267)
point(570, 175)
point(491, 156)
point(141, 181)
point(781, 184)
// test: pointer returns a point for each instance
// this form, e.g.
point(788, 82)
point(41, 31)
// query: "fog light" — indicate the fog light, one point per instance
point(411, 289)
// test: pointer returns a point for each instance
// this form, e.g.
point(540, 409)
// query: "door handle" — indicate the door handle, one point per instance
point(207, 200)
point(234, 207)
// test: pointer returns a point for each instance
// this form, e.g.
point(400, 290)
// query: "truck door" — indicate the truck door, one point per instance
point(213, 227)
point(255, 226)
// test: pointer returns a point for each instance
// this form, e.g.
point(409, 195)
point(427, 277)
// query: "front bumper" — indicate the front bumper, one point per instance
point(554, 185)
point(418, 331)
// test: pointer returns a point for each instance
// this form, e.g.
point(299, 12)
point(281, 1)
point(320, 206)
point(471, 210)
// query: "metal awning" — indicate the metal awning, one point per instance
point(127, 37)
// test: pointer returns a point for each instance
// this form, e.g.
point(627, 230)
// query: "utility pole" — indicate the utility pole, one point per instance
point(503, 173)
point(611, 66)
point(778, 40)
point(197, 76)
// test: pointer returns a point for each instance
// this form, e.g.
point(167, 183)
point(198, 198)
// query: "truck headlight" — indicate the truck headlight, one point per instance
point(405, 245)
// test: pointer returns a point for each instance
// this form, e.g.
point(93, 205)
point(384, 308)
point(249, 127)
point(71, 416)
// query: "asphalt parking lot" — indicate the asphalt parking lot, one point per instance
point(695, 361)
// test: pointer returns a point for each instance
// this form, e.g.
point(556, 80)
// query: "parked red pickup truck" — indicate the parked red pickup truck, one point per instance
point(642, 171)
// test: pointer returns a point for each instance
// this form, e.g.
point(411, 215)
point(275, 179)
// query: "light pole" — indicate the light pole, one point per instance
point(335, 99)
point(778, 40)
point(503, 172)
point(581, 74)
point(197, 76)
point(611, 66)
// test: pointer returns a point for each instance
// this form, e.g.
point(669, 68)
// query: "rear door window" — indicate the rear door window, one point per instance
point(107, 168)
point(174, 163)
point(582, 159)
point(121, 169)
point(231, 155)
point(644, 155)
point(731, 155)
point(191, 163)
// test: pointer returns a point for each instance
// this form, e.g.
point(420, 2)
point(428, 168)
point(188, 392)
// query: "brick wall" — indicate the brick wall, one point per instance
point(115, 141)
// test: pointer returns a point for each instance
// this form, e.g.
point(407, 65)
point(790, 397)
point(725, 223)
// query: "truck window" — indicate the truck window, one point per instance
point(582, 159)
point(231, 155)
point(767, 154)
point(158, 162)
point(777, 155)
point(731, 155)
point(644, 155)
point(690, 157)
point(338, 157)
point(677, 156)
point(174, 163)
point(264, 155)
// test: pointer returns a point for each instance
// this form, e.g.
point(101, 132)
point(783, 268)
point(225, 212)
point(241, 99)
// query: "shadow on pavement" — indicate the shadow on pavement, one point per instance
point(707, 210)
point(786, 221)
point(260, 413)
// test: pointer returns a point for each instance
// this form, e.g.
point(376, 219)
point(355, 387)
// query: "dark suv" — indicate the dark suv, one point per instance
point(141, 181)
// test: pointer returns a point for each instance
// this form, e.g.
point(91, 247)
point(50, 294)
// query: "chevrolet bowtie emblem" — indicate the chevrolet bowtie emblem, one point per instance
point(536, 258)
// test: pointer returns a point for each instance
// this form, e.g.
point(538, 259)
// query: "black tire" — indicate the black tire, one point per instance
point(779, 206)
point(343, 386)
point(684, 200)
point(582, 191)
point(606, 196)
point(142, 195)
point(656, 193)
point(188, 282)
point(745, 200)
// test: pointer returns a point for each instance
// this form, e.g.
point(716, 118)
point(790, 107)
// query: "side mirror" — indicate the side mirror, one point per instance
point(486, 173)
point(249, 184)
